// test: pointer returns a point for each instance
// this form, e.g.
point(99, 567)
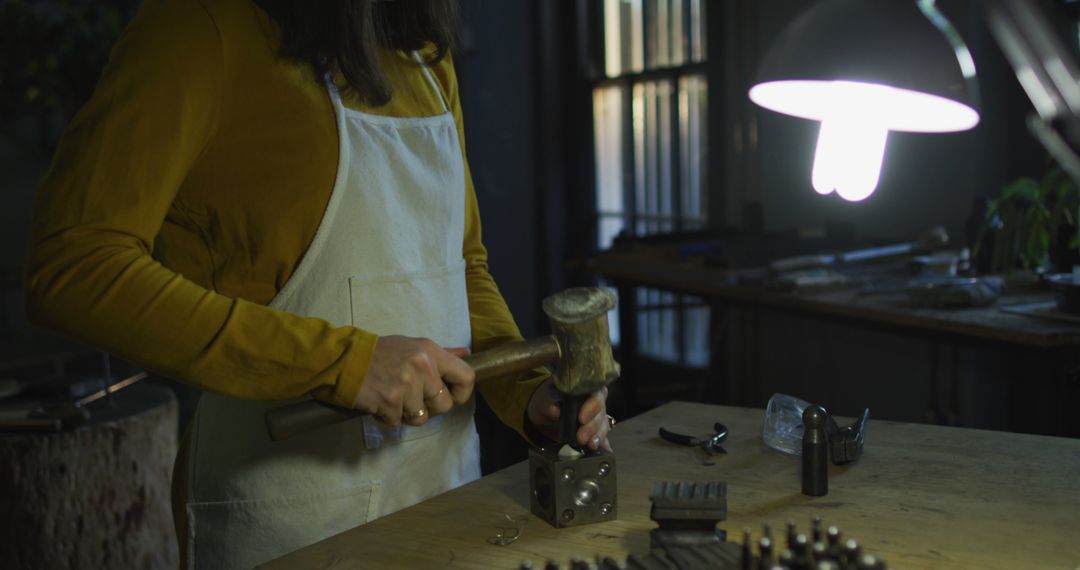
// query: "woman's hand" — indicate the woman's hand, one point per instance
point(411, 379)
point(543, 414)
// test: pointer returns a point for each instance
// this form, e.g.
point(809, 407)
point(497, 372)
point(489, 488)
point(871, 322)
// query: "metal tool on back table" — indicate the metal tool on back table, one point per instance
point(65, 415)
point(710, 445)
point(927, 241)
point(569, 486)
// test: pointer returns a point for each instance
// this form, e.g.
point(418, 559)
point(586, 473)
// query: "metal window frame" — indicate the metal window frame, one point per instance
point(594, 78)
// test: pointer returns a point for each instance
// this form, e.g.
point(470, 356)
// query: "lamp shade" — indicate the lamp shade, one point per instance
point(863, 68)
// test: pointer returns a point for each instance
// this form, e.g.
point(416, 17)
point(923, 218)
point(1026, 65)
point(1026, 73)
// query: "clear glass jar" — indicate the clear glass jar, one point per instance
point(783, 426)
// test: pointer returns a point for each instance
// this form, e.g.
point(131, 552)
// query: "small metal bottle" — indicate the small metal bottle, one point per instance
point(815, 453)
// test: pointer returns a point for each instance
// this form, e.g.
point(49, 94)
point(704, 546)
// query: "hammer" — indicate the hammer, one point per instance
point(579, 342)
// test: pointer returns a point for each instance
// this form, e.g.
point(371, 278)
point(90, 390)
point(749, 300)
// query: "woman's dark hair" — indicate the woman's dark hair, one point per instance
point(344, 35)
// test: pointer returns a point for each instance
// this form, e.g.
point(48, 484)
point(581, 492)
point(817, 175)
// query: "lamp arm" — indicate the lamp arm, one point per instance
point(1048, 73)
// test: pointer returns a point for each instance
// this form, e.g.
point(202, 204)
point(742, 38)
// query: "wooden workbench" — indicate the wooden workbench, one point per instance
point(921, 496)
point(1036, 360)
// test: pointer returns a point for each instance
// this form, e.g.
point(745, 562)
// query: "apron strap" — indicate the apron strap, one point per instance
point(432, 81)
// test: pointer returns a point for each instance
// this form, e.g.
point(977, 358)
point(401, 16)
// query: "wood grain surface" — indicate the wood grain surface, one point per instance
point(921, 497)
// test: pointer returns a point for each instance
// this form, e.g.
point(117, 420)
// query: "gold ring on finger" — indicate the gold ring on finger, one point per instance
point(417, 414)
point(436, 394)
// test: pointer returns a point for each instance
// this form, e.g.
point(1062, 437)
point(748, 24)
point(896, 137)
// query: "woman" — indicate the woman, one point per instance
point(270, 201)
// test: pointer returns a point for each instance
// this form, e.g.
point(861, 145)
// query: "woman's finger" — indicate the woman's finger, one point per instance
point(440, 402)
point(414, 411)
point(594, 405)
point(390, 412)
point(457, 375)
point(594, 434)
point(551, 409)
point(594, 421)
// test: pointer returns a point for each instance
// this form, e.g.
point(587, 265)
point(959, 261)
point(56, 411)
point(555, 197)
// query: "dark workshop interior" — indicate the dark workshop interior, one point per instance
point(612, 144)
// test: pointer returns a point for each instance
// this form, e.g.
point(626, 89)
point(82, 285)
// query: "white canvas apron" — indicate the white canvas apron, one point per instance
point(386, 258)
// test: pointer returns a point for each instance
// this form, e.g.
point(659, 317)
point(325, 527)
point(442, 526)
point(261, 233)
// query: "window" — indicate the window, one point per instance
point(649, 110)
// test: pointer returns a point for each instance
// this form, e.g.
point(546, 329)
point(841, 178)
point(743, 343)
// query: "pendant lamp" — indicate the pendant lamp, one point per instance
point(863, 68)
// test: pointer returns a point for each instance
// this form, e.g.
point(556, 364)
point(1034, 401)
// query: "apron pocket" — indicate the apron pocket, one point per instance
point(431, 303)
point(242, 534)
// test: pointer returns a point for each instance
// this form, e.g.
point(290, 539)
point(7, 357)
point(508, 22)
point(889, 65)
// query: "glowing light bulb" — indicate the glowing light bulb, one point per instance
point(855, 122)
point(849, 156)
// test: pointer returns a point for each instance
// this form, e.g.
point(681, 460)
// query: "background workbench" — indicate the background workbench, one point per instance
point(976, 367)
point(985, 323)
point(921, 497)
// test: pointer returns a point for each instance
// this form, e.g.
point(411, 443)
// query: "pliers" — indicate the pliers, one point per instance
point(710, 445)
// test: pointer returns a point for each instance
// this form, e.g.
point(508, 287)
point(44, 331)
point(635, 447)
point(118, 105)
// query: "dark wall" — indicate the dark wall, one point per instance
point(494, 62)
point(495, 69)
point(22, 162)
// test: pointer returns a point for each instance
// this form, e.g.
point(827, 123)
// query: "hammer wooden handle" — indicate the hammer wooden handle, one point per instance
point(514, 357)
point(294, 419)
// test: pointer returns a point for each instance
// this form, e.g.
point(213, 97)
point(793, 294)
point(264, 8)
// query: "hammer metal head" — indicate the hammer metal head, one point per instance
point(579, 323)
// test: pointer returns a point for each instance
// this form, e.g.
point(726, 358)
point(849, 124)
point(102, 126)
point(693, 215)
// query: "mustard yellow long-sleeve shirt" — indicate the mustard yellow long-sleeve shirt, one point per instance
point(184, 194)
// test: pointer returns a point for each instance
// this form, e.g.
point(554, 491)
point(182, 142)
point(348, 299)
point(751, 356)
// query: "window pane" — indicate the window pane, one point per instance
point(672, 328)
point(663, 322)
point(653, 157)
point(674, 32)
point(613, 315)
point(613, 39)
point(661, 176)
point(642, 35)
point(665, 155)
point(651, 153)
point(634, 31)
point(657, 33)
point(639, 112)
point(697, 30)
point(669, 334)
point(678, 38)
point(609, 229)
point(692, 141)
point(624, 37)
point(608, 129)
point(643, 327)
point(696, 334)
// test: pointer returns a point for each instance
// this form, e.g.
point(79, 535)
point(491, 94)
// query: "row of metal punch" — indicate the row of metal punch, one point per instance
point(823, 549)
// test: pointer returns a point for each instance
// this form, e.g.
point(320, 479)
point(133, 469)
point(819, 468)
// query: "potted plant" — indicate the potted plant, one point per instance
point(1032, 227)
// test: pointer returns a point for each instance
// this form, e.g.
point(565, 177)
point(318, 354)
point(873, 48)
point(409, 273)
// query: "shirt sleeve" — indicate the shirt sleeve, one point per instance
point(119, 166)
point(490, 318)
